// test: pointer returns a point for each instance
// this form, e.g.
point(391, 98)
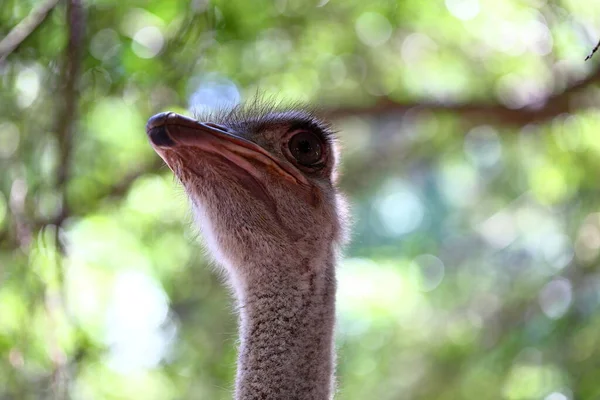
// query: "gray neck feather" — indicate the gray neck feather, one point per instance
point(287, 332)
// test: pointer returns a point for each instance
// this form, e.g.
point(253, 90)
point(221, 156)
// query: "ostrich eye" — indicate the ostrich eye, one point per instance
point(306, 148)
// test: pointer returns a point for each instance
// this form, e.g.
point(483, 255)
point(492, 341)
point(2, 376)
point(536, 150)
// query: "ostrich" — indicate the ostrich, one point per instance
point(262, 187)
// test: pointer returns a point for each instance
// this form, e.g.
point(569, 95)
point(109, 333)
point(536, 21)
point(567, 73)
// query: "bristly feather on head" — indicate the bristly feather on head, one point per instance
point(263, 111)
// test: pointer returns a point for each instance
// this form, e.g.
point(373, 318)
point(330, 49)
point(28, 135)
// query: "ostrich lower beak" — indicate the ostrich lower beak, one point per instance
point(169, 131)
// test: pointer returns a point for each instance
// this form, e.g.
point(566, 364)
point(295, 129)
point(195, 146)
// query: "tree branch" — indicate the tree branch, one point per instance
point(65, 123)
point(25, 28)
point(67, 114)
point(495, 113)
point(594, 50)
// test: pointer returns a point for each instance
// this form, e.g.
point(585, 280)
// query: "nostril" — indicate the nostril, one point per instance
point(156, 129)
point(160, 137)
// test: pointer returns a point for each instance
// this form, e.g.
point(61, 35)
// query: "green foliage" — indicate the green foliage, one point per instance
point(470, 158)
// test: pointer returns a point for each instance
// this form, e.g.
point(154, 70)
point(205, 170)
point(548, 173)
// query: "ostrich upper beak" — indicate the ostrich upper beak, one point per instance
point(169, 131)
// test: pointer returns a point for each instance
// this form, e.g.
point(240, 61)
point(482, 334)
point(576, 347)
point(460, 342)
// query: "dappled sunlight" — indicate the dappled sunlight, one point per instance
point(119, 247)
point(373, 294)
point(469, 145)
point(98, 380)
point(148, 42)
point(152, 197)
point(373, 29)
point(428, 271)
point(137, 329)
point(105, 44)
point(484, 147)
point(463, 9)
point(9, 139)
point(555, 298)
point(399, 209)
point(28, 86)
point(212, 92)
point(460, 183)
point(526, 381)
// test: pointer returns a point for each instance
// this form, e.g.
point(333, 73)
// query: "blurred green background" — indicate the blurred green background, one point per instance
point(471, 158)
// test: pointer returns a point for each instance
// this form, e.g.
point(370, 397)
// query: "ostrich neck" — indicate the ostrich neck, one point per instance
point(287, 331)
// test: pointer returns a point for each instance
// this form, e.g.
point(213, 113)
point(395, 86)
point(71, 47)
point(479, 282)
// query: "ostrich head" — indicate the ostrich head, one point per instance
point(261, 182)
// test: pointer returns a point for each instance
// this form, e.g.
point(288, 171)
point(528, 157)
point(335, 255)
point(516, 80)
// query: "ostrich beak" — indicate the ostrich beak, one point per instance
point(169, 131)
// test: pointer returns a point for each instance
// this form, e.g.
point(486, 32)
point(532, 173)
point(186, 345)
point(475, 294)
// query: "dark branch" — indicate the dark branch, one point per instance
point(25, 28)
point(65, 125)
point(67, 114)
point(493, 113)
point(594, 50)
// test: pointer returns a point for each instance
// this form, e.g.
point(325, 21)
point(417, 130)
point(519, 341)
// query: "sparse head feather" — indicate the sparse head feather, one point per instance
point(261, 113)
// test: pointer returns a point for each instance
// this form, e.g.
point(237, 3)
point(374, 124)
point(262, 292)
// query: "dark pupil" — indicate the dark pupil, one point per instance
point(306, 148)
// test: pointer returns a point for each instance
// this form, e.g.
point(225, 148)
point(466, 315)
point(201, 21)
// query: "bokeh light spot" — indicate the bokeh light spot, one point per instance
point(463, 9)
point(28, 87)
point(459, 182)
point(428, 271)
point(531, 381)
point(212, 92)
point(105, 44)
point(548, 183)
point(555, 298)
point(557, 250)
point(147, 42)
point(138, 310)
point(483, 147)
point(538, 37)
point(373, 29)
point(9, 139)
point(399, 209)
point(517, 91)
point(417, 46)
point(500, 230)
point(587, 245)
point(556, 396)
point(371, 293)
